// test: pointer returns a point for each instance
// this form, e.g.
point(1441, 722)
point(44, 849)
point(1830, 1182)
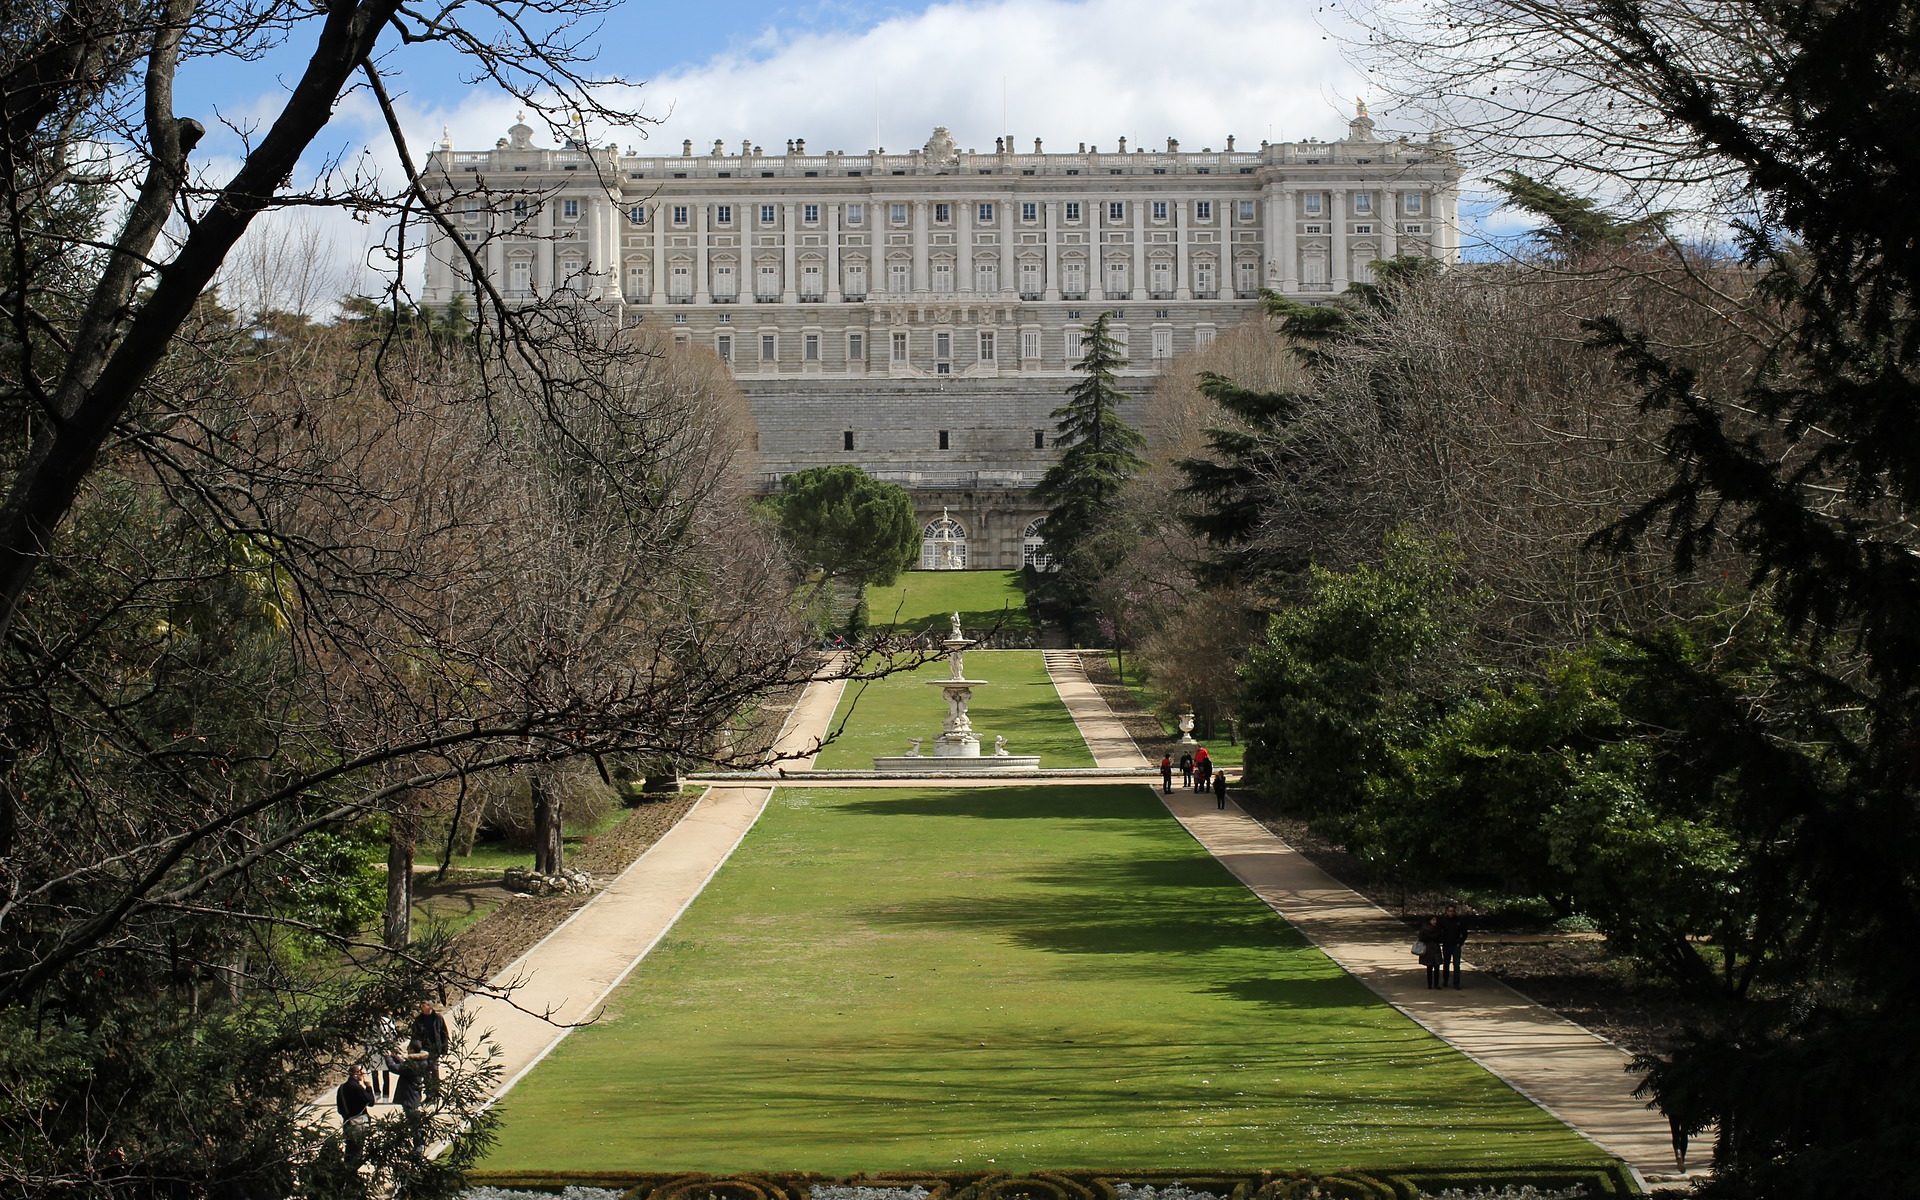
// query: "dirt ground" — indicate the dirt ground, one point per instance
point(1570, 973)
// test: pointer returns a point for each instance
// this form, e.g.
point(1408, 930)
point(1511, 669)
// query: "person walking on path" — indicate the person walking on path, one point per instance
point(430, 1032)
point(353, 1100)
point(1202, 770)
point(409, 1066)
point(1453, 936)
point(1427, 947)
point(1220, 790)
point(385, 1034)
point(1186, 769)
point(1166, 775)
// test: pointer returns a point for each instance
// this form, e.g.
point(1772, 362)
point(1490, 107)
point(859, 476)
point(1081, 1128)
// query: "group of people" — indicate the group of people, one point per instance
point(1438, 946)
point(402, 1071)
point(1196, 772)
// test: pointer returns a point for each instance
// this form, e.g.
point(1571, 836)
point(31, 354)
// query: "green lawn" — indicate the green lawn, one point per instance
point(1021, 705)
point(1011, 978)
point(923, 600)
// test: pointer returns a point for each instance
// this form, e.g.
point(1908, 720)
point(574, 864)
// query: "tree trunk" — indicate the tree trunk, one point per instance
point(546, 827)
point(397, 929)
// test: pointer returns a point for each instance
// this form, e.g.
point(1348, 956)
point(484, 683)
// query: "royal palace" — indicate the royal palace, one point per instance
point(919, 313)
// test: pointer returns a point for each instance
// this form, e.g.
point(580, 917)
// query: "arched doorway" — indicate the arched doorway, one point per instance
point(943, 545)
point(1033, 548)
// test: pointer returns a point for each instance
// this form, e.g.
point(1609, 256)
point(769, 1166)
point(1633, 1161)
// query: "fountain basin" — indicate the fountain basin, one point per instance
point(948, 764)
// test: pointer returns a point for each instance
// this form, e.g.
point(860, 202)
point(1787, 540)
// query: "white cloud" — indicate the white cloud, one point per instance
point(1070, 71)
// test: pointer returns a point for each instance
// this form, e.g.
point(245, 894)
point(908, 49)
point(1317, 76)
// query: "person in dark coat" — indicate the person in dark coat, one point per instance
point(1186, 770)
point(409, 1066)
point(1220, 789)
point(1166, 775)
point(1202, 770)
point(1429, 943)
point(1453, 936)
point(353, 1100)
point(430, 1031)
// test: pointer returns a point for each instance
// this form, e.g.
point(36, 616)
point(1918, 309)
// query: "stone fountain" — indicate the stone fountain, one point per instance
point(957, 748)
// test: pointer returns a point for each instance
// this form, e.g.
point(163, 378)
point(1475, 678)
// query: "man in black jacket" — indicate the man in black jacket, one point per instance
point(1453, 936)
point(430, 1030)
point(353, 1100)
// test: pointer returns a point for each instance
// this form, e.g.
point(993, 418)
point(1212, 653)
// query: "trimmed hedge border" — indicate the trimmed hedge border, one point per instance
point(1600, 1180)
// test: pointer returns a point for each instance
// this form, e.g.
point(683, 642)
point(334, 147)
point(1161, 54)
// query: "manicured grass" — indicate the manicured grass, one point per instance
point(923, 600)
point(1020, 705)
point(1010, 978)
point(498, 856)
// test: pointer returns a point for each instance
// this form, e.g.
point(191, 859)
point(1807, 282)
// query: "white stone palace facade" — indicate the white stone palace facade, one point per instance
point(919, 314)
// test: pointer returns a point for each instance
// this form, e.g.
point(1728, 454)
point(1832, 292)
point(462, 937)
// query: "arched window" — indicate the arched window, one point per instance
point(1033, 548)
point(943, 545)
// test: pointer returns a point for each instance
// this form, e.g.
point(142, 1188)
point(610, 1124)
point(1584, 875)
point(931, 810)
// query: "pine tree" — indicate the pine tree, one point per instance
point(1100, 453)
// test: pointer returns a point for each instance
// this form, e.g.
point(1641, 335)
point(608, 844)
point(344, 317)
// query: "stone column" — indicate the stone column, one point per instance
point(543, 247)
point(1182, 284)
point(1285, 213)
point(789, 246)
point(919, 228)
point(1137, 289)
point(1446, 205)
point(700, 288)
point(1337, 269)
point(833, 253)
point(658, 227)
point(1096, 214)
point(1390, 227)
point(1050, 251)
point(1009, 261)
point(963, 246)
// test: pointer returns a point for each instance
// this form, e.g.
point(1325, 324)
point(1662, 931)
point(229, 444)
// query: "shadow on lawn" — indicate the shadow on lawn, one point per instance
point(1120, 803)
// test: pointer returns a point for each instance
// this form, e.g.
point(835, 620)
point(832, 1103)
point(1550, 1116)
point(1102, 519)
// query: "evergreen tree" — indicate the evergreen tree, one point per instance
point(1100, 453)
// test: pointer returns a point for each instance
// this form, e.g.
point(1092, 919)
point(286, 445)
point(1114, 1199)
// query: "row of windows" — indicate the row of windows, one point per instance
point(1312, 204)
point(900, 344)
point(899, 214)
point(944, 440)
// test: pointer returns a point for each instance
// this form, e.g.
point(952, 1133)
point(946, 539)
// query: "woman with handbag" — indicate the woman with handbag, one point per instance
point(1426, 947)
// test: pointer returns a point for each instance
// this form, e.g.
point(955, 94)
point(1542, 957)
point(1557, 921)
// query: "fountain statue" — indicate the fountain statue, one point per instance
point(957, 748)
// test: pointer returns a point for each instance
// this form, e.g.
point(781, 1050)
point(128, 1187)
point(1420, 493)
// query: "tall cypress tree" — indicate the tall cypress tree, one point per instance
point(1100, 453)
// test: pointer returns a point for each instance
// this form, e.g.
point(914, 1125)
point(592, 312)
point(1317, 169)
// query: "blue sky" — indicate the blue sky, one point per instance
point(853, 76)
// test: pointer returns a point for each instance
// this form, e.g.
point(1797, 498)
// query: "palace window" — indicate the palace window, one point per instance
point(856, 214)
point(768, 286)
point(637, 214)
point(1039, 439)
point(726, 286)
point(945, 442)
point(897, 213)
point(769, 347)
point(1073, 277)
point(986, 276)
point(766, 214)
point(943, 276)
point(1246, 210)
point(679, 214)
point(986, 345)
point(810, 281)
point(723, 346)
point(899, 345)
point(1203, 210)
point(1033, 547)
point(856, 347)
point(1312, 202)
point(899, 278)
point(1029, 211)
point(1415, 203)
point(810, 347)
point(942, 213)
point(1030, 345)
point(723, 214)
point(519, 277)
point(520, 209)
point(1163, 343)
point(1029, 278)
point(1073, 210)
point(846, 440)
point(1363, 202)
point(856, 279)
point(1202, 336)
point(985, 213)
point(680, 281)
point(570, 209)
point(1159, 210)
point(810, 213)
point(1203, 276)
point(1116, 210)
